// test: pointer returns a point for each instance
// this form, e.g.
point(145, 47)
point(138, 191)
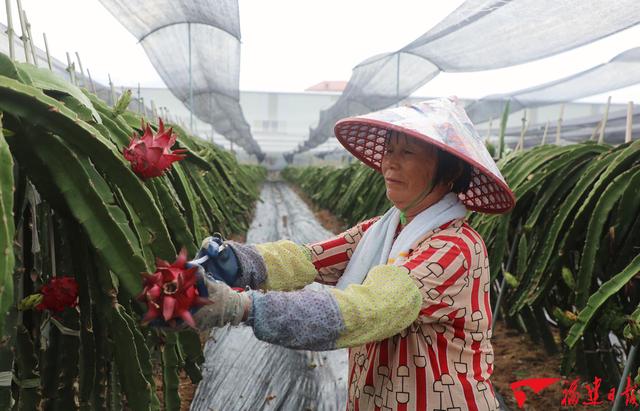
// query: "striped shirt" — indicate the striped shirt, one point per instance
point(444, 360)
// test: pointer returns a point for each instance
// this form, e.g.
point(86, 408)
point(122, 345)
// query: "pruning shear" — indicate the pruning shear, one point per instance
point(217, 259)
point(206, 257)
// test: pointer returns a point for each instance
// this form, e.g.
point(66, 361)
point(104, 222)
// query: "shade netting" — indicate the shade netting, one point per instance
point(621, 71)
point(195, 47)
point(479, 35)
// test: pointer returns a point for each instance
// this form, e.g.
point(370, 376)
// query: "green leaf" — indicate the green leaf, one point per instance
point(9, 69)
point(510, 279)
point(521, 261)
point(171, 380)
point(123, 102)
point(567, 277)
point(503, 128)
point(597, 299)
point(600, 214)
point(529, 289)
point(92, 204)
point(30, 103)
point(182, 236)
point(51, 82)
point(131, 373)
point(632, 329)
point(7, 229)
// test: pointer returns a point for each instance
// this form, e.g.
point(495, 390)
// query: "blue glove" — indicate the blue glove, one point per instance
point(222, 263)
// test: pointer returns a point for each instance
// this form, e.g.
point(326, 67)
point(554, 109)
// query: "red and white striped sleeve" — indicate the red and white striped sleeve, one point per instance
point(330, 257)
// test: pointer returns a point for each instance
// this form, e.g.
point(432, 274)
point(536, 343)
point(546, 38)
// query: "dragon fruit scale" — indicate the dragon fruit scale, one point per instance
point(150, 155)
point(171, 293)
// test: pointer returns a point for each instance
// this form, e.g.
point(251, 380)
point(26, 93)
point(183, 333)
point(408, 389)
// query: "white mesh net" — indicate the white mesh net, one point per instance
point(480, 35)
point(621, 71)
point(168, 29)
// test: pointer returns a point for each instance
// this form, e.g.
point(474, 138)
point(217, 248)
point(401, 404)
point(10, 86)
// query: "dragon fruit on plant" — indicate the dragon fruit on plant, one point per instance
point(58, 294)
point(150, 155)
point(171, 292)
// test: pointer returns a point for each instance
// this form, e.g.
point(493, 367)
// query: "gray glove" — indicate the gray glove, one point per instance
point(227, 306)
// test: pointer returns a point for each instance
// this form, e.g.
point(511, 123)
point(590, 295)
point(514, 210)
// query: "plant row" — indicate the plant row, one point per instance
point(72, 207)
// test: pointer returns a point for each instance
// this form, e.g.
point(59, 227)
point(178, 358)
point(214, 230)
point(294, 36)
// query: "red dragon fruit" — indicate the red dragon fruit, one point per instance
point(150, 155)
point(171, 291)
point(58, 294)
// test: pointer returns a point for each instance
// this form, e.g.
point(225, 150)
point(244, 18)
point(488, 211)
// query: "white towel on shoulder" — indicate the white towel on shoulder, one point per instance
point(377, 246)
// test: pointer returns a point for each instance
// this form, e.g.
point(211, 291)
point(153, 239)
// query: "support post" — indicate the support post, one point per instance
point(559, 124)
point(84, 79)
point(23, 27)
point(10, 31)
point(544, 135)
point(628, 135)
point(71, 68)
point(46, 49)
point(503, 284)
point(627, 367)
point(604, 121)
point(144, 108)
point(523, 131)
point(154, 110)
point(190, 82)
point(113, 91)
point(93, 87)
point(30, 39)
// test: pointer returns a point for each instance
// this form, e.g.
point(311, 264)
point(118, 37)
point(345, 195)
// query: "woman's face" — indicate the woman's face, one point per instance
point(408, 167)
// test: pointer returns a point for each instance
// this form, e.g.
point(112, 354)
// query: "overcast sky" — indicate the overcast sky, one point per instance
point(289, 45)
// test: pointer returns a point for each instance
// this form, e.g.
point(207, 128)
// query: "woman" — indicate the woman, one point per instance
point(411, 296)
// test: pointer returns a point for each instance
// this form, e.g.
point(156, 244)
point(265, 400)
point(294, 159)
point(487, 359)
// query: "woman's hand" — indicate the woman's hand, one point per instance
point(219, 305)
point(221, 263)
point(226, 306)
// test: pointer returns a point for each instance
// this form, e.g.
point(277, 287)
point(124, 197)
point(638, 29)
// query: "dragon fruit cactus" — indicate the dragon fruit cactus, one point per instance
point(171, 292)
point(150, 155)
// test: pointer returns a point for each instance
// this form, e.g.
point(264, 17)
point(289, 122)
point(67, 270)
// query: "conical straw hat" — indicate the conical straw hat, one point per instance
point(443, 123)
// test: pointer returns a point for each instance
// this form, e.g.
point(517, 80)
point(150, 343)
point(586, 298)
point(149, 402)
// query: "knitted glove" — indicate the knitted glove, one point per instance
point(227, 306)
